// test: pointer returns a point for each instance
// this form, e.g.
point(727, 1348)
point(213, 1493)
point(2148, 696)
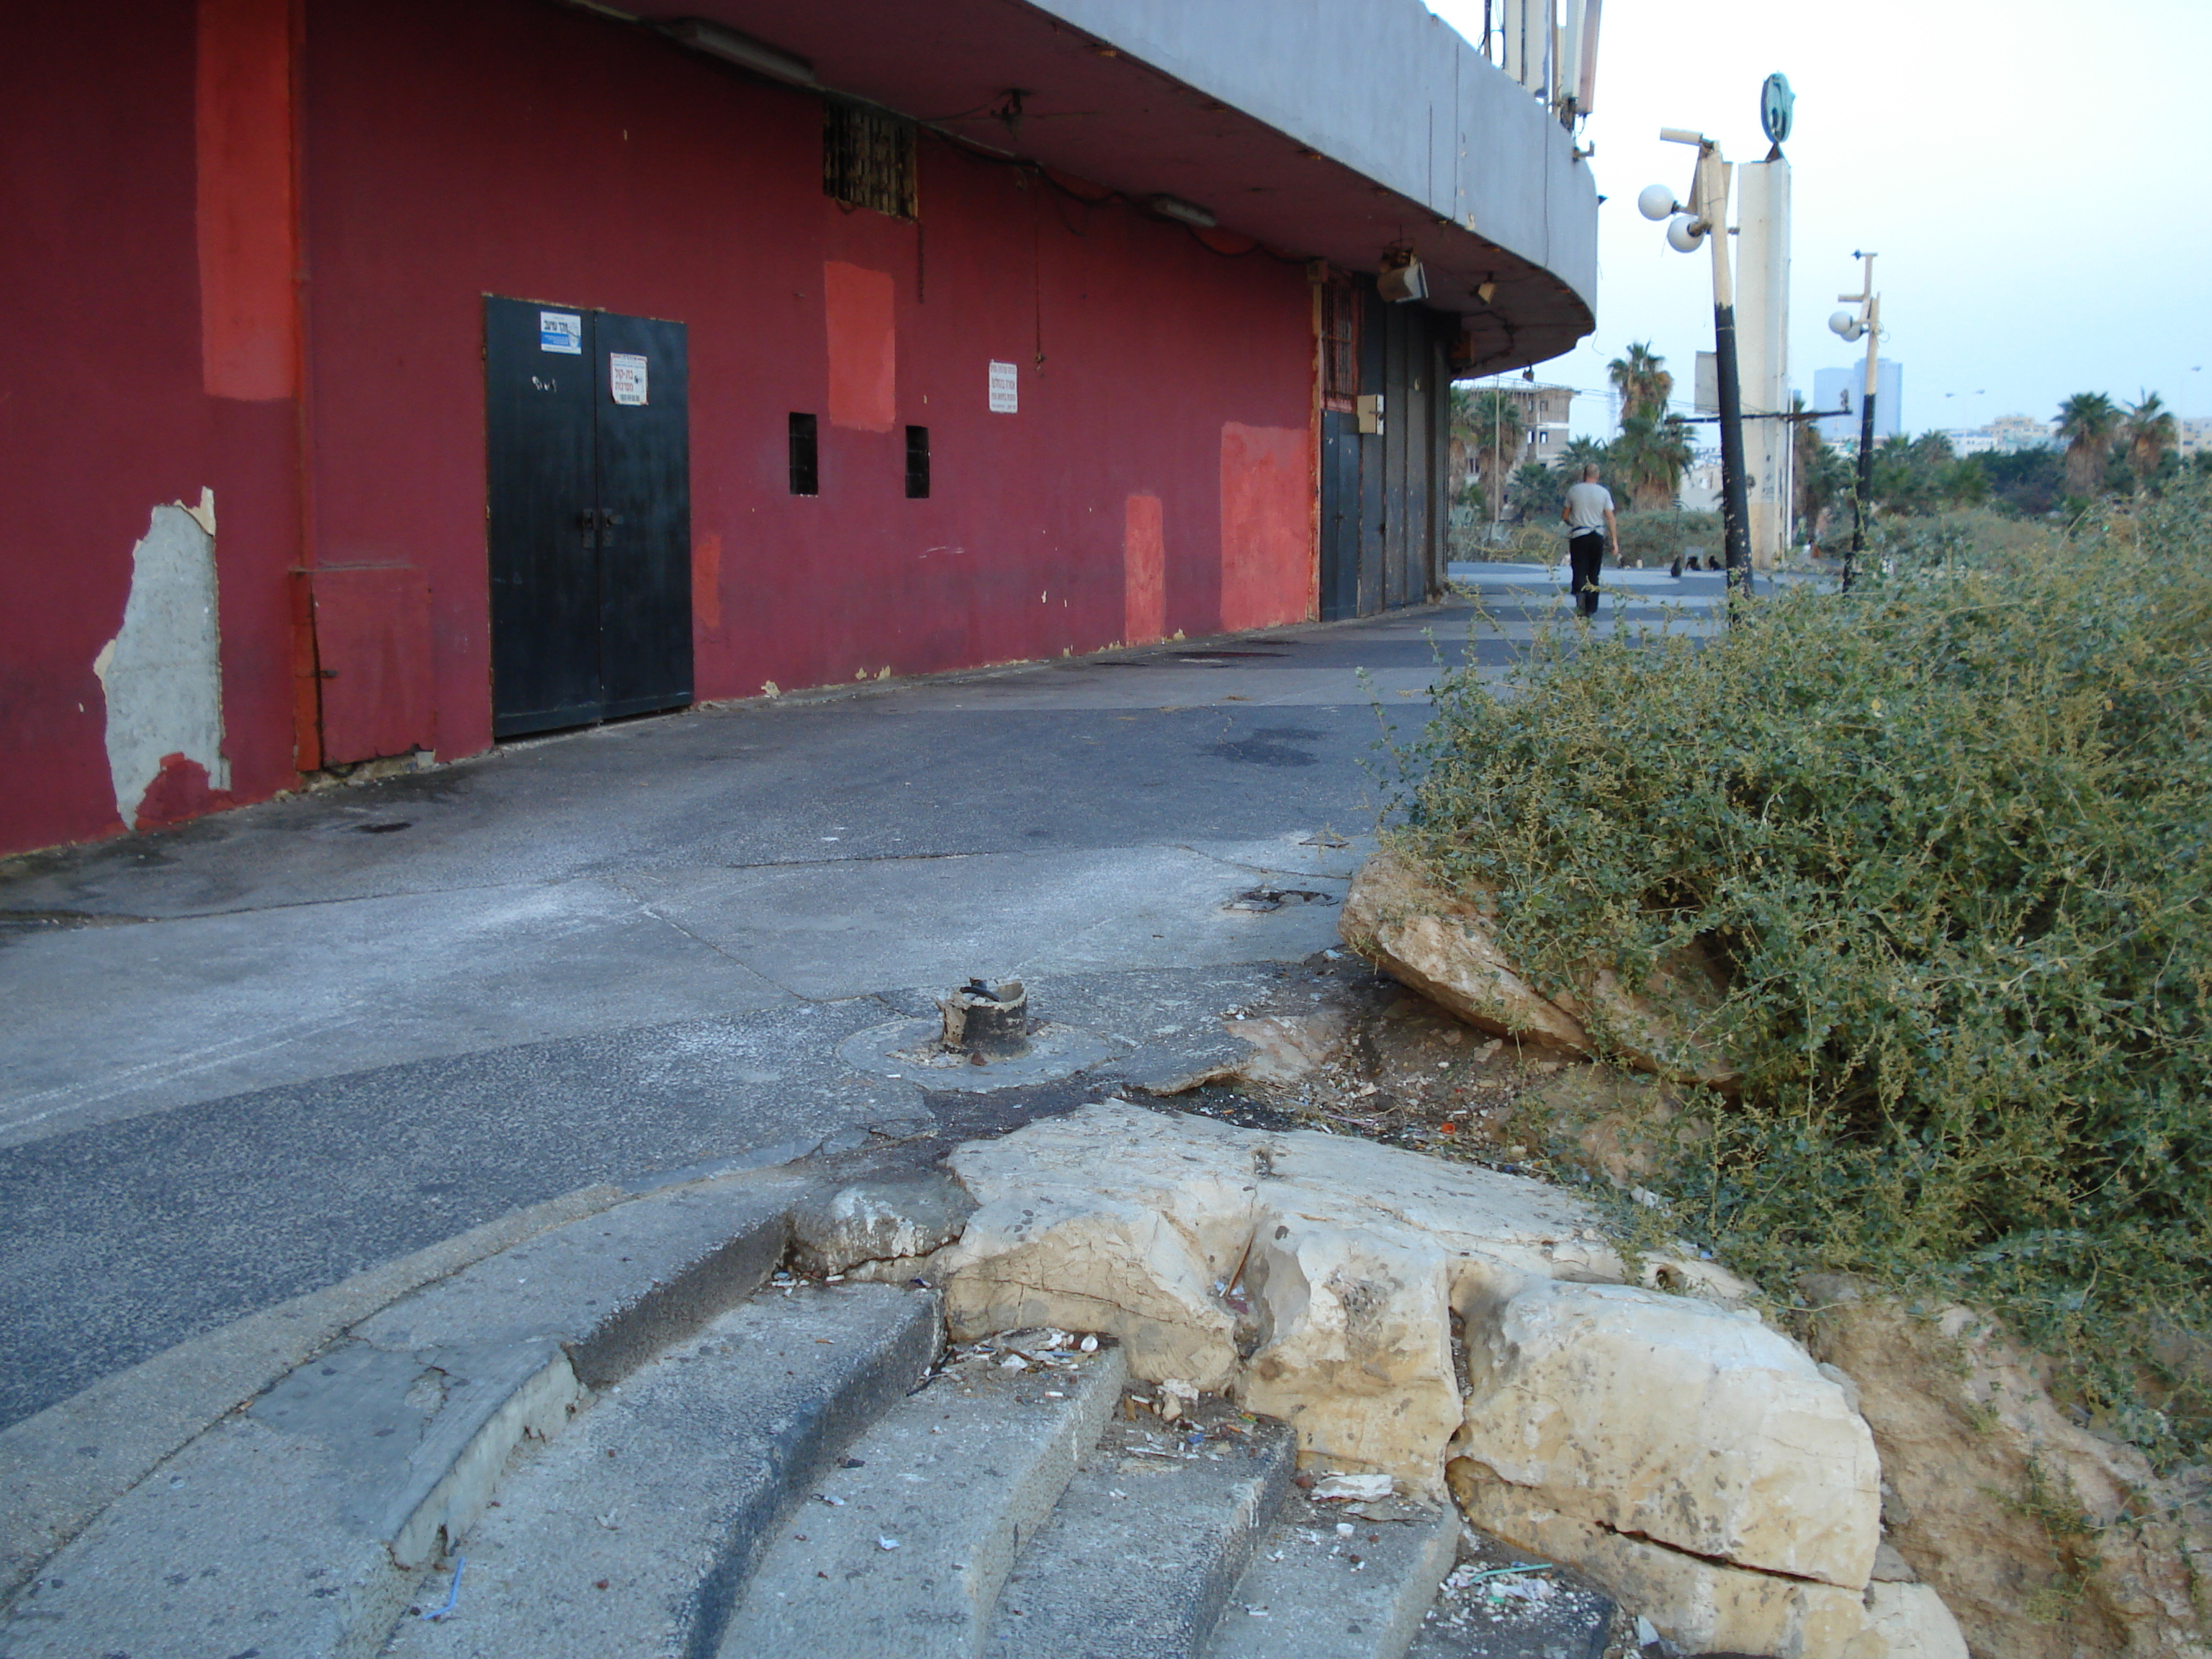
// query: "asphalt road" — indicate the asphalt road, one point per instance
point(249, 1056)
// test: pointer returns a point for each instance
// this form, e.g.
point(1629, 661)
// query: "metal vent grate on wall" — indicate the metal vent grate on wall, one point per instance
point(867, 158)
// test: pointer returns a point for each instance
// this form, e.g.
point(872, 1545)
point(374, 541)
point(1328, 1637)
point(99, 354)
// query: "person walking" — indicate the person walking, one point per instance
point(1591, 528)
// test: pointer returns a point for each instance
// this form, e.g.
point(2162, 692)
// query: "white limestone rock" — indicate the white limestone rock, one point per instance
point(1445, 946)
point(1666, 1417)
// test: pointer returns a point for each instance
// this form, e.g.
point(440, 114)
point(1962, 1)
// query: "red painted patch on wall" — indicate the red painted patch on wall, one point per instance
point(1144, 572)
point(1267, 526)
point(707, 582)
point(373, 647)
point(180, 791)
point(858, 307)
point(249, 342)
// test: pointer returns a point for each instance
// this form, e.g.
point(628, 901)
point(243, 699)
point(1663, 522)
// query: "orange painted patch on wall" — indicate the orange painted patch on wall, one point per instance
point(1267, 526)
point(707, 582)
point(248, 216)
point(1144, 572)
point(858, 311)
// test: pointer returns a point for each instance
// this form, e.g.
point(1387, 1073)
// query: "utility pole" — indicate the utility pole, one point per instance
point(1850, 326)
point(1706, 217)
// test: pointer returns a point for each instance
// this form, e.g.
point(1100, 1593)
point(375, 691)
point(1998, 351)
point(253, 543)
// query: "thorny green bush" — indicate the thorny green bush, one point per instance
point(1944, 839)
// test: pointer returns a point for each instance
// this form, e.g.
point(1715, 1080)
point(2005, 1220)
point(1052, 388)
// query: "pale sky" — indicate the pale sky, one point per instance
point(2036, 176)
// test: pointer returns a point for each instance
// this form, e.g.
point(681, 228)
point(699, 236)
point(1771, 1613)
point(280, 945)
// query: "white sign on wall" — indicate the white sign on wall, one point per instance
point(1005, 399)
point(626, 378)
point(560, 331)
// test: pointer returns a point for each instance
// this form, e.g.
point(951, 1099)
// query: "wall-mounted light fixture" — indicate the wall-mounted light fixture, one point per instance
point(1402, 277)
point(717, 41)
point(1174, 206)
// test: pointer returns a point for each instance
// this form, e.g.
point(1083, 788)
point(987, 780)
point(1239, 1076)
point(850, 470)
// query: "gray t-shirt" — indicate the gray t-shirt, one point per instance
point(1586, 505)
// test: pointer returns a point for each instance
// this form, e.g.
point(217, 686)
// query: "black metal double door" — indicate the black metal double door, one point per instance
point(589, 506)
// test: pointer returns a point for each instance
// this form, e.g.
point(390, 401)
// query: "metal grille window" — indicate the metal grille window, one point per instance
point(917, 463)
point(867, 158)
point(1340, 346)
point(805, 470)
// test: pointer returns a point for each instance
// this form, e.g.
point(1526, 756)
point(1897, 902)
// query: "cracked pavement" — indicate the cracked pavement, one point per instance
point(252, 1056)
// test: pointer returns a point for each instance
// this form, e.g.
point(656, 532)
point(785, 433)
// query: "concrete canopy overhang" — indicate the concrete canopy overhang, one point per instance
point(1320, 129)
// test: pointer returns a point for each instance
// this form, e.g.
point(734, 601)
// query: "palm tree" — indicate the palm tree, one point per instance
point(1487, 425)
point(1641, 381)
point(2148, 432)
point(1650, 457)
point(2087, 421)
point(1580, 453)
point(1818, 478)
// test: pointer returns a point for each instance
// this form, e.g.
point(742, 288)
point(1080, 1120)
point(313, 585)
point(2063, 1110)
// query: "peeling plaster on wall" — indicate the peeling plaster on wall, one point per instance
point(162, 673)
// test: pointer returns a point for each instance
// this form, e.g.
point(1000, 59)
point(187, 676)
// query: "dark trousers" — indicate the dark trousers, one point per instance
point(1585, 558)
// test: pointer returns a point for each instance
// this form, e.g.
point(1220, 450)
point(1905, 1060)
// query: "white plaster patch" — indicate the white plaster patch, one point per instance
point(162, 673)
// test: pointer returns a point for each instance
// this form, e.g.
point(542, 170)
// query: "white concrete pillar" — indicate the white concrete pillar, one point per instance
point(1763, 337)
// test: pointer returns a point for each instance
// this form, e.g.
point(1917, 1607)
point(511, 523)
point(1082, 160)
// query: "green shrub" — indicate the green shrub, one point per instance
point(1657, 537)
point(1946, 839)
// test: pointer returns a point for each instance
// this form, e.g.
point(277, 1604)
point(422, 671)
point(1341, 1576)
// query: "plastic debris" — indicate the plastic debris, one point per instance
point(1088, 1344)
point(453, 1601)
point(1344, 1530)
point(887, 1543)
point(1361, 1487)
point(1013, 1362)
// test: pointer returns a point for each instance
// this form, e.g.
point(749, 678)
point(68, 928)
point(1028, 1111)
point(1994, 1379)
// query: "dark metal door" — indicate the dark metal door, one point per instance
point(588, 461)
point(543, 495)
point(645, 515)
point(1340, 515)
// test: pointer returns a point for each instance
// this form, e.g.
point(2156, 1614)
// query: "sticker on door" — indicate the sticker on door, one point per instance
point(626, 378)
point(560, 331)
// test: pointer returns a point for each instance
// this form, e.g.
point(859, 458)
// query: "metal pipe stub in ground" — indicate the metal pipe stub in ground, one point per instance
point(993, 1021)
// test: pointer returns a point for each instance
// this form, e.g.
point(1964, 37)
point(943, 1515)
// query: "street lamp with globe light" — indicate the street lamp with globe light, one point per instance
point(1687, 228)
point(1865, 323)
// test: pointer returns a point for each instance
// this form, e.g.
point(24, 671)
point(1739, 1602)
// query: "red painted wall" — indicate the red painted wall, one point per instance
point(441, 151)
point(511, 148)
point(109, 405)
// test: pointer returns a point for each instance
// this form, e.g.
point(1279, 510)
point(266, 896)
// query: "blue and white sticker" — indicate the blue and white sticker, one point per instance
point(560, 331)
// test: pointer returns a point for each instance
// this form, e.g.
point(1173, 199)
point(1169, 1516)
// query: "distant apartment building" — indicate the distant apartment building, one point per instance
point(2195, 435)
point(1543, 427)
point(1839, 389)
point(1544, 419)
point(2011, 434)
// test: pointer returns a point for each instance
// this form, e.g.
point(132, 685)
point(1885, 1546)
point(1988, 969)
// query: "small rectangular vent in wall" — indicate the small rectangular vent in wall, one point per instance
point(917, 463)
point(867, 158)
point(806, 467)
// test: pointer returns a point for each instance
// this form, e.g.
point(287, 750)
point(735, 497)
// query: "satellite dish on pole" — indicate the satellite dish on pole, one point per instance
point(1775, 101)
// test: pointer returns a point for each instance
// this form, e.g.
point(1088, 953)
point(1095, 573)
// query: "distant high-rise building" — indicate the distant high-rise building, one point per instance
point(1838, 388)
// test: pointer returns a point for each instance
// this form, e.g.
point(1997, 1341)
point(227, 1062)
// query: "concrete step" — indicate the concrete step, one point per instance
point(1138, 1558)
point(904, 1544)
point(306, 1522)
point(634, 1533)
point(1339, 1580)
